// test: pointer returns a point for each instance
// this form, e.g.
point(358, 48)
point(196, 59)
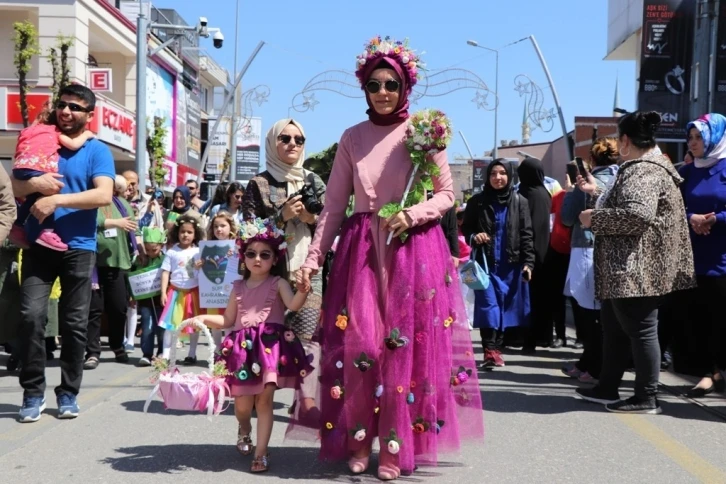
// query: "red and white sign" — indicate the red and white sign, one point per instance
point(114, 126)
point(12, 108)
point(100, 79)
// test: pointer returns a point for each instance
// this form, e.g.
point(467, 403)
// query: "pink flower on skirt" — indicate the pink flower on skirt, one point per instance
point(420, 337)
point(335, 393)
point(463, 377)
point(289, 336)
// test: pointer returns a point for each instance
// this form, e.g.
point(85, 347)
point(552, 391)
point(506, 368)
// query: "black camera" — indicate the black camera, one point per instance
point(310, 199)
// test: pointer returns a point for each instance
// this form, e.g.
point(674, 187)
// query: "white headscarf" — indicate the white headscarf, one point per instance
point(294, 175)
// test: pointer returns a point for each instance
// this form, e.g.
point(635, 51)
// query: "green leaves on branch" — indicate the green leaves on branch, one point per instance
point(156, 147)
point(26, 46)
point(389, 210)
point(61, 71)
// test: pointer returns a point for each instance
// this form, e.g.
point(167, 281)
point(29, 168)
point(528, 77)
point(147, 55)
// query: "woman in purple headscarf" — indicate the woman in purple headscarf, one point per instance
point(397, 361)
point(704, 194)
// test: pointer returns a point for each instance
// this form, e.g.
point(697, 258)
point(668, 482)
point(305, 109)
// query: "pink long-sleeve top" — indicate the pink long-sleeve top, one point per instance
point(372, 163)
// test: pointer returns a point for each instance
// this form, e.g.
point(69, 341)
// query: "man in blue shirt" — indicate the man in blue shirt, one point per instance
point(84, 182)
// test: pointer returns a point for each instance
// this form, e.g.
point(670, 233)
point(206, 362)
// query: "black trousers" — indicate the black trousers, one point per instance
point(41, 267)
point(492, 339)
point(112, 299)
point(540, 327)
point(591, 337)
point(708, 324)
point(630, 326)
point(556, 266)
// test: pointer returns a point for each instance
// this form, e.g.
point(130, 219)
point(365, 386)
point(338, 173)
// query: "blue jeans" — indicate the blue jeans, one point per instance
point(150, 328)
point(24, 208)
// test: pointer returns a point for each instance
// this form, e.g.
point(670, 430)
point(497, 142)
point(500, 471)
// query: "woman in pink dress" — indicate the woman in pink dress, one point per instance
point(397, 361)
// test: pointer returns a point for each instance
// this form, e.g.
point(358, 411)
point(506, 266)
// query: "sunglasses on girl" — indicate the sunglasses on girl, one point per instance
point(251, 254)
point(391, 85)
point(75, 108)
point(286, 138)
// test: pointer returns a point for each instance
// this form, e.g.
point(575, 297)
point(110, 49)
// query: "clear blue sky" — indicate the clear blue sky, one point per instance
point(307, 38)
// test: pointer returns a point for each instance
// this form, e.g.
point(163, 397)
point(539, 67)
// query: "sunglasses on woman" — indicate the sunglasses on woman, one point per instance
point(286, 138)
point(391, 85)
point(75, 108)
point(251, 254)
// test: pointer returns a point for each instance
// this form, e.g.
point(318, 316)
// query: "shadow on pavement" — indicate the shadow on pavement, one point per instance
point(157, 407)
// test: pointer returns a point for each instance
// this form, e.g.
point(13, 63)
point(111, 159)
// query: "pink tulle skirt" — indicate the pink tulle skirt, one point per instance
point(397, 362)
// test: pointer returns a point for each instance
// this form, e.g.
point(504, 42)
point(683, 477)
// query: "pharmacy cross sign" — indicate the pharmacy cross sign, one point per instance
point(100, 79)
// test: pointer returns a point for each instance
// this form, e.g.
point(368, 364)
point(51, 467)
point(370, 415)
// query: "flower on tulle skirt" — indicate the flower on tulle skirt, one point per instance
point(462, 376)
point(328, 425)
point(342, 320)
point(420, 337)
point(379, 391)
point(283, 360)
point(399, 389)
point(358, 433)
point(303, 373)
point(420, 426)
point(339, 365)
point(377, 409)
point(337, 391)
point(393, 444)
point(448, 279)
point(289, 336)
point(410, 398)
point(268, 351)
point(242, 374)
point(395, 340)
point(225, 351)
point(227, 343)
point(448, 322)
point(363, 363)
point(256, 368)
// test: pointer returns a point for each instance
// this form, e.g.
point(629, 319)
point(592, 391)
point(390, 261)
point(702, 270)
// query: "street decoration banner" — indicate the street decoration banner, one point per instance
point(479, 170)
point(220, 263)
point(248, 139)
point(665, 64)
point(145, 283)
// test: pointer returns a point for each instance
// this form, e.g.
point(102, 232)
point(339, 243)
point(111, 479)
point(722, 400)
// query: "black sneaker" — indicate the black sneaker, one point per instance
point(596, 395)
point(636, 405)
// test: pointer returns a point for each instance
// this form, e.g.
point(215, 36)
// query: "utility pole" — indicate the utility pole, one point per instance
point(141, 45)
point(233, 122)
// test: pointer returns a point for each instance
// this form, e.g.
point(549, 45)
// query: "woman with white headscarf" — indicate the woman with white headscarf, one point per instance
point(274, 194)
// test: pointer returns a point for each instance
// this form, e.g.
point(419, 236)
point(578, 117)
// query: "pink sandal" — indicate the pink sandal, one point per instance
point(358, 465)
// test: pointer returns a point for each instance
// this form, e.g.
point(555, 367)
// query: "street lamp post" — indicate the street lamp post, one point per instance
point(233, 121)
point(142, 52)
point(474, 43)
point(554, 95)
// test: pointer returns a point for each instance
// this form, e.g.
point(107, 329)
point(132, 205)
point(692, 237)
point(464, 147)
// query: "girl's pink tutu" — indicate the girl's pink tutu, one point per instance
point(407, 372)
point(268, 353)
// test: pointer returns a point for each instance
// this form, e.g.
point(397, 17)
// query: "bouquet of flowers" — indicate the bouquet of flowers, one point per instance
point(428, 132)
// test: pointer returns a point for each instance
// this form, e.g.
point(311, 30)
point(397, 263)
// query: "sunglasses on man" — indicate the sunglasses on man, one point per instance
point(74, 107)
point(391, 85)
point(286, 138)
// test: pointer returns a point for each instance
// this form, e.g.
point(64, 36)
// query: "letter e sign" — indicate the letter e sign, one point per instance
point(99, 79)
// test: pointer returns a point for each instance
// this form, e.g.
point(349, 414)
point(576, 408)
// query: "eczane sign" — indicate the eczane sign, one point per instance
point(114, 126)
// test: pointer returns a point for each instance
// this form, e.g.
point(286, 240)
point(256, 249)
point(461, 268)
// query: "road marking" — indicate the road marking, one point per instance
point(85, 400)
point(680, 454)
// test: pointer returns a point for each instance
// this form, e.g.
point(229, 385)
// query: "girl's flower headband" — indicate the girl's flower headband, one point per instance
point(263, 230)
point(396, 50)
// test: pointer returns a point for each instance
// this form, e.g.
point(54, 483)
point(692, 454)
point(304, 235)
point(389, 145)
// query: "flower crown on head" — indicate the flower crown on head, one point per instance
point(397, 50)
point(263, 230)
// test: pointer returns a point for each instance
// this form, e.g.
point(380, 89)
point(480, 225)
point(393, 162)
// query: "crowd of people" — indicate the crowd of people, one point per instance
point(385, 351)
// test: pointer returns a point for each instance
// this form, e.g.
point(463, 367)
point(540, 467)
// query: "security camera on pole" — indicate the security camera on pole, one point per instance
point(142, 52)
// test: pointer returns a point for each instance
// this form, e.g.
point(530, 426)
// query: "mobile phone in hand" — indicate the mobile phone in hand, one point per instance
point(572, 173)
point(581, 167)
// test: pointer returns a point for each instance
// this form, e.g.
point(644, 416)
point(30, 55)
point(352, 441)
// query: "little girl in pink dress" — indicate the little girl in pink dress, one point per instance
point(261, 354)
point(37, 154)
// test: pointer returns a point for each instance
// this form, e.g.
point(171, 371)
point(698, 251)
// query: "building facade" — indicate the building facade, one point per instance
point(103, 57)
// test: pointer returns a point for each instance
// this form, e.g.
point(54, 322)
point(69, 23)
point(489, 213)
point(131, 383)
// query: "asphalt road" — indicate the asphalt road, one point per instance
point(536, 431)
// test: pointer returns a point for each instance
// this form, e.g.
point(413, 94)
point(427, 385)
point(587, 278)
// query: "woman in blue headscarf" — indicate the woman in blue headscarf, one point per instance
point(181, 203)
point(704, 194)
